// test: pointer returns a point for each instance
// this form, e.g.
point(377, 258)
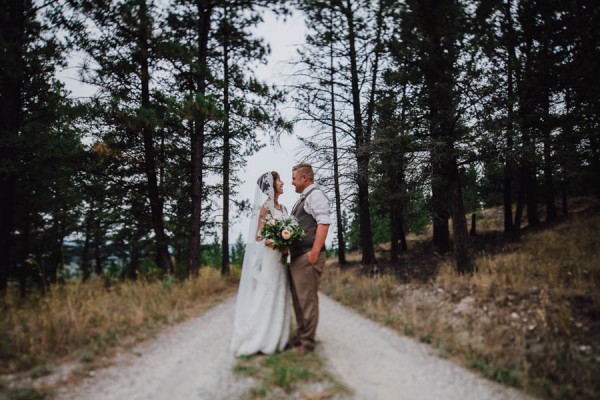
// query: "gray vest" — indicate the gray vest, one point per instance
point(309, 224)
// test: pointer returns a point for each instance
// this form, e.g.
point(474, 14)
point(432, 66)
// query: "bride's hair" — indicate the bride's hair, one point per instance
point(263, 182)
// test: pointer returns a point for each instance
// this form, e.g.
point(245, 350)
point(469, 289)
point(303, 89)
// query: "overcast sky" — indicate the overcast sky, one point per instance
point(284, 38)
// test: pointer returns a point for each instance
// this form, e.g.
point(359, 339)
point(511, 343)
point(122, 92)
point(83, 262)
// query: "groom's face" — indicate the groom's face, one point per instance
point(299, 181)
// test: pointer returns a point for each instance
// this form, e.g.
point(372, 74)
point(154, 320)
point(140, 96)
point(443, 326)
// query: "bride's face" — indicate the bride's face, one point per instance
point(279, 186)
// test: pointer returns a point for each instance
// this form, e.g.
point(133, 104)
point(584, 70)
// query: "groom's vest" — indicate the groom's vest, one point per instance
point(308, 224)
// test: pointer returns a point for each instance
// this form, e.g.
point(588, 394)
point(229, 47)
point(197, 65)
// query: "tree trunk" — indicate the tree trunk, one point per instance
point(56, 261)
point(437, 67)
point(527, 166)
point(226, 157)
point(12, 77)
point(531, 191)
point(98, 242)
point(336, 168)
point(527, 98)
point(546, 127)
point(402, 234)
point(459, 230)
point(86, 264)
point(135, 253)
point(362, 148)
point(439, 75)
point(439, 206)
point(375, 68)
point(520, 204)
point(25, 265)
point(204, 8)
point(400, 179)
point(156, 203)
point(595, 154)
point(507, 197)
point(132, 269)
point(548, 179)
point(568, 153)
point(394, 248)
point(509, 157)
point(397, 235)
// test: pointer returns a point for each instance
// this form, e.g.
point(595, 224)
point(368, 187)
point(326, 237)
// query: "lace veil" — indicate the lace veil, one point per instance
point(264, 194)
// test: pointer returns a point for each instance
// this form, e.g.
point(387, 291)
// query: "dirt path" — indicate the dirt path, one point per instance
point(187, 361)
point(377, 363)
point(192, 361)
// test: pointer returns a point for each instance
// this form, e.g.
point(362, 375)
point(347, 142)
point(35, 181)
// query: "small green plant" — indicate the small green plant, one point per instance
point(248, 370)
point(287, 369)
point(427, 338)
point(283, 375)
point(40, 370)
point(409, 330)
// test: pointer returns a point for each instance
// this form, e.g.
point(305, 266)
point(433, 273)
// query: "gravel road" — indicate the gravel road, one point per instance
point(192, 361)
point(377, 363)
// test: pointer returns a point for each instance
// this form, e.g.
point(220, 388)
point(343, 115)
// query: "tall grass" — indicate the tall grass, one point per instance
point(566, 259)
point(86, 318)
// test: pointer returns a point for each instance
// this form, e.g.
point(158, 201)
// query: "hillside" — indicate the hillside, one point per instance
point(529, 317)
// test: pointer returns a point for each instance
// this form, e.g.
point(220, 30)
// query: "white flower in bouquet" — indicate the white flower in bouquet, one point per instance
point(283, 233)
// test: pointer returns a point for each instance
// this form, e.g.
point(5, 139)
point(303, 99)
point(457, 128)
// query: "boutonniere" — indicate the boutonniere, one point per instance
point(302, 197)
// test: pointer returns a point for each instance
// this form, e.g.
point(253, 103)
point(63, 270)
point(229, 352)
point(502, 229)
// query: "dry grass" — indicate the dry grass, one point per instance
point(565, 258)
point(529, 317)
point(83, 320)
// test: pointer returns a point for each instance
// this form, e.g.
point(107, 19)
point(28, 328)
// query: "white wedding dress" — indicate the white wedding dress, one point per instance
point(263, 307)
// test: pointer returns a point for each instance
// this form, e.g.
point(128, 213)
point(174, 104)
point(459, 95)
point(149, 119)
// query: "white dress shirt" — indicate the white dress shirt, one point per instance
point(317, 205)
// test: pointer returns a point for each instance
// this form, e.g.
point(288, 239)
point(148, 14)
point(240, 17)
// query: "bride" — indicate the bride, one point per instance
point(262, 311)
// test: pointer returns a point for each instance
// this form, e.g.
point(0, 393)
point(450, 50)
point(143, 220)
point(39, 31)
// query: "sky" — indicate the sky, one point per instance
point(284, 37)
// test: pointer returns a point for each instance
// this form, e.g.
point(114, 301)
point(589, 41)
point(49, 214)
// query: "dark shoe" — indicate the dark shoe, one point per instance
point(289, 346)
point(300, 350)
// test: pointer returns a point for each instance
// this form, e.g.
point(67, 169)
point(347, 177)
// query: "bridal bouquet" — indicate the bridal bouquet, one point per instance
point(282, 232)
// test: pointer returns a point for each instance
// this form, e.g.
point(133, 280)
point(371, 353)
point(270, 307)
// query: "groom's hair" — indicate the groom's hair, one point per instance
point(305, 169)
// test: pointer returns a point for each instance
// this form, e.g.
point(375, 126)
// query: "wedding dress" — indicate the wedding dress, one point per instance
point(263, 305)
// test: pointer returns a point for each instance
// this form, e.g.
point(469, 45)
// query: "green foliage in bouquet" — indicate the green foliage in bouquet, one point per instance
point(283, 232)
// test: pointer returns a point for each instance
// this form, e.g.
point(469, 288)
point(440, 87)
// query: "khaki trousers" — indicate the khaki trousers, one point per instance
point(305, 285)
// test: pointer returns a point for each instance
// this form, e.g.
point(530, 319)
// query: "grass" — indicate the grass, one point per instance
point(285, 375)
point(22, 393)
point(84, 321)
point(529, 317)
point(564, 258)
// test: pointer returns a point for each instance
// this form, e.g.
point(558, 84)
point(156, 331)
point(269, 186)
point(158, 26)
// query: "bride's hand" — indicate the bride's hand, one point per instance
point(269, 243)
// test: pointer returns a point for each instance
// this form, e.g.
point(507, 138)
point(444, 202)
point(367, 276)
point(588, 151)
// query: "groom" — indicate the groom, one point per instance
point(308, 256)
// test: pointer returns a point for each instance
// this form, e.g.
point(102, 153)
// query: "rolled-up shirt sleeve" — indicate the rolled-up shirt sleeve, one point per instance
point(317, 205)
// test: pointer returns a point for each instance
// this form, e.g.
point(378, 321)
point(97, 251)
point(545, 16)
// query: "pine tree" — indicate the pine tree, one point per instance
point(351, 34)
point(438, 29)
point(39, 147)
point(121, 46)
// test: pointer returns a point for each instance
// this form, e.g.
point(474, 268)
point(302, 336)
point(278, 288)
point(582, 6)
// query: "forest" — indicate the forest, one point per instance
point(421, 112)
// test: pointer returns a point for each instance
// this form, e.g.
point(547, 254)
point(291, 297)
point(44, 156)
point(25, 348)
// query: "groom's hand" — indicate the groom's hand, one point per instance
point(312, 257)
